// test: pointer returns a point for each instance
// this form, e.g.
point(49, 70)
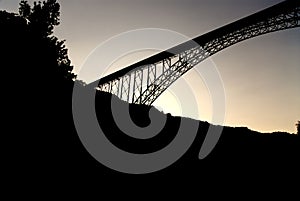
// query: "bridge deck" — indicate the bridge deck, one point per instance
point(203, 39)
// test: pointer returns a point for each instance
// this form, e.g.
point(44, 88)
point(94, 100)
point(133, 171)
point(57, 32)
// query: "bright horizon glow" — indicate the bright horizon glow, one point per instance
point(168, 103)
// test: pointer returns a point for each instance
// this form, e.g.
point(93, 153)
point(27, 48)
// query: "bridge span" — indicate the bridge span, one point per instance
point(144, 81)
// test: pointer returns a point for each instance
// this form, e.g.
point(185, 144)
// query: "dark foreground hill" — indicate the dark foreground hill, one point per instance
point(238, 148)
point(50, 147)
point(239, 152)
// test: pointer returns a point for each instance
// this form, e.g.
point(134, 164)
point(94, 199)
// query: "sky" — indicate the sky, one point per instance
point(260, 75)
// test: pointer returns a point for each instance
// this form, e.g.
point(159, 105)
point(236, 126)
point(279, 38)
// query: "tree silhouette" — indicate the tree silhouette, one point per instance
point(298, 127)
point(41, 20)
point(42, 17)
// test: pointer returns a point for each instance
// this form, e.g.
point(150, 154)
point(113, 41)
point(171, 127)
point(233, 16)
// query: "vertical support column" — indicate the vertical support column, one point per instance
point(141, 88)
point(133, 90)
point(122, 84)
point(166, 62)
point(128, 89)
point(118, 90)
point(100, 87)
point(110, 87)
point(148, 75)
point(106, 87)
point(125, 87)
point(155, 67)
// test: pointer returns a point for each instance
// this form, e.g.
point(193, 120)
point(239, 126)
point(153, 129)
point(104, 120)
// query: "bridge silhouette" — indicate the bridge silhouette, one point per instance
point(144, 81)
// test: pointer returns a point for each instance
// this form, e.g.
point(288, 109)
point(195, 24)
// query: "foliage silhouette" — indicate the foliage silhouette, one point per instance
point(298, 128)
point(38, 85)
point(29, 34)
point(42, 17)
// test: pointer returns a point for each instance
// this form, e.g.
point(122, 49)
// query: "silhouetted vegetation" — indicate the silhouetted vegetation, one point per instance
point(38, 95)
point(298, 128)
point(38, 87)
point(28, 43)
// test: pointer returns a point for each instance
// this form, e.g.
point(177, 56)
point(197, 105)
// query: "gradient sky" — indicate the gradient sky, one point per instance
point(260, 75)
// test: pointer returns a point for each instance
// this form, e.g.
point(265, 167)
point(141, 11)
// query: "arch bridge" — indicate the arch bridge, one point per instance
point(144, 81)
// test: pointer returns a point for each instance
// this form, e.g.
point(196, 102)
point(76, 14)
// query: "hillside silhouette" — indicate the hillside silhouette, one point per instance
point(39, 124)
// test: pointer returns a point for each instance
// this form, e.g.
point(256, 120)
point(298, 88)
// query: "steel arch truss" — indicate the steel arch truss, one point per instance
point(146, 83)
